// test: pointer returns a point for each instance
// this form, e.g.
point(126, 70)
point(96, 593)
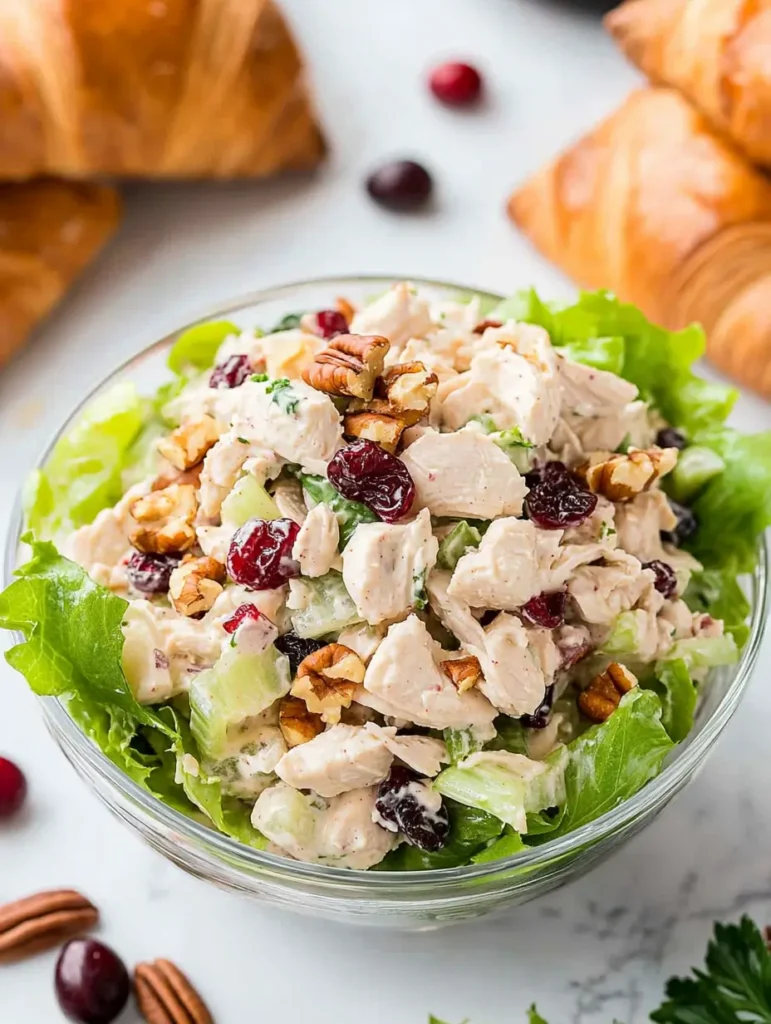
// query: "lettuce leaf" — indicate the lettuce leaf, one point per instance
point(471, 830)
point(677, 693)
point(716, 592)
point(610, 762)
point(196, 348)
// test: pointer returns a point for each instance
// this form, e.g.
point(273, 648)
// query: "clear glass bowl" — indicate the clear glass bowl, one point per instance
point(398, 900)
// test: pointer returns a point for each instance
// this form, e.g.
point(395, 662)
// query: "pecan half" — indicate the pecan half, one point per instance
point(187, 445)
point(464, 672)
point(384, 430)
point(349, 365)
point(298, 724)
point(196, 584)
point(164, 520)
point(36, 923)
point(622, 476)
point(166, 996)
point(603, 695)
point(408, 389)
point(327, 680)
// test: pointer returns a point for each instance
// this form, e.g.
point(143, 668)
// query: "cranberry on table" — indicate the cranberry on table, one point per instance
point(330, 323)
point(557, 499)
point(666, 578)
point(367, 473)
point(297, 648)
point(232, 373)
point(687, 524)
point(405, 801)
point(91, 981)
point(400, 185)
point(260, 554)
point(668, 437)
point(546, 609)
point(456, 84)
point(150, 574)
point(13, 788)
point(540, 717)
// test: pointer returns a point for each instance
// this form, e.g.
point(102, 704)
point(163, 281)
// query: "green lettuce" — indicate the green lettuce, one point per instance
point(717, 592)
point(349, 513)
point(471, 831)
point(458, 541)
point(677, 693)
point(196, 348)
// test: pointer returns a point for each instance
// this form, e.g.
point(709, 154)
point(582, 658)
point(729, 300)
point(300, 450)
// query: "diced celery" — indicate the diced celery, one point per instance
point(704, 651)
point(456, 544)
point(248, 500)
point(696, 466)
point(321, 606)
point(349, 513)
point(236, 689)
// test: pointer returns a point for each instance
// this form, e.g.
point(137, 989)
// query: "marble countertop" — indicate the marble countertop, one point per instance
point(599, 948)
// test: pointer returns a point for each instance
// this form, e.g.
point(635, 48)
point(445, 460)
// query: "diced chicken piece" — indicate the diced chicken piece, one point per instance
point(517, 664)
point(271, 603)
point(424, 754)
point(454, 613)
point(640, 521)
point(243, 343)
point(249, 771)
point(513, 379)
point(215, 541)
point(316, 545)
point(542, 742)
point(343, 758)
point(296, 422)
point(505, 571)
point(463, 474)
point(456, 337)
point(223, 465)
point(145, 662)
point(398, 315)
point(288, 496)
point(404, 680)
point(102, 547)
point(605, 432)
point(362, 639)
point(425, 352)
point(288, 353)
point(591, 392)
point(603, 592)
point(598, 528)
point(385, 567)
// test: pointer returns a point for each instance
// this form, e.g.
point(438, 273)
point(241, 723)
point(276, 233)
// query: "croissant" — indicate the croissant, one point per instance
point(157, 88)
point(655, 206)
point(716, 52)
point(49, 231)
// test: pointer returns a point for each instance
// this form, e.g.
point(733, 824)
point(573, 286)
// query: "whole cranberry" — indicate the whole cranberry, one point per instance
point(150, 574)
point(13, 788)
point(400, 185)
point(406, 803)
point(365, 472)
point(668, 437)
point(92, 983)
point(557, 499)
point(260, 553)
point(331, 323)
point(540, 717)
point(232, 373)
point(546, 610)
point(456, 84)
point(666, 578)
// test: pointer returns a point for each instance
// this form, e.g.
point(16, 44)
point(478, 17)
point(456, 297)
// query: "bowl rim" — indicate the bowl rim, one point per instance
point(238, 855)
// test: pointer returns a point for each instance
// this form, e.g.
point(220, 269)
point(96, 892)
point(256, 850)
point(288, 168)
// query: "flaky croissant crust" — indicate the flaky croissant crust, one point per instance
point(174, 88)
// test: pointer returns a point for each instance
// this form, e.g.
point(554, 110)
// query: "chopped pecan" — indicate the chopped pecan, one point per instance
point(408, 388)
point(185, 476)
point(188, 444)
point(349, 365)
point(165, 995)
point(345, 308)
point(327, 680)
point(196, 584)
point(621, 476)
point(164, 520)
point(384, 430)
point(484, 324)
point(465, 673)
point(298, 724)
point(43, 921)
point(603, 695)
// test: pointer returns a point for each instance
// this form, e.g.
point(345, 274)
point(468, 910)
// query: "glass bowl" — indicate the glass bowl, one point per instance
point(412, 901)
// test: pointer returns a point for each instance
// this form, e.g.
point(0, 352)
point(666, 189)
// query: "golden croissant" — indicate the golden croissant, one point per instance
point(152, 88)
point(716, 52)
point(655, 206)
point(49, 231)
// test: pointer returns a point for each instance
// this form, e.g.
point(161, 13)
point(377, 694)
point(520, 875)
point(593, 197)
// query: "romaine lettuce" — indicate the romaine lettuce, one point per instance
point(196, 348)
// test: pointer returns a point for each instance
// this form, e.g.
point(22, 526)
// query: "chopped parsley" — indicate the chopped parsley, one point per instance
point(243, 440)
point(419, 594)
point(259, 378)
point(606, 530)
point(284, 395)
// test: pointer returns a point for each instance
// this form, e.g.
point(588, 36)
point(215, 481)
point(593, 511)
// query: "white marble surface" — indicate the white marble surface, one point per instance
point(598, 949)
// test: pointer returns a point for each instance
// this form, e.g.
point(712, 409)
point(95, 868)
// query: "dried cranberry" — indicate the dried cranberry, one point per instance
point(540, 717)
point(92, 983)
point(401, 185)
point(557, 499)
point(150, 574)
point(331, 323)
point(547, 610)
point(297, 648)
point(232, 373)
point(456, 84)
point(260, 554)
point(404, 800)
point(13, 788)
point(666, 579)
point(365, 472)
point(687, 525)
point(244, 611)
point(671, 438)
